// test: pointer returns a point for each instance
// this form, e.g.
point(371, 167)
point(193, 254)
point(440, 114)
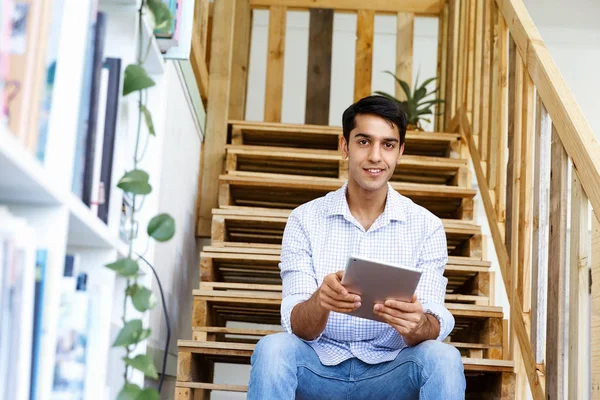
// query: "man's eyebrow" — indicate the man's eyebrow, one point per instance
point(367, 136)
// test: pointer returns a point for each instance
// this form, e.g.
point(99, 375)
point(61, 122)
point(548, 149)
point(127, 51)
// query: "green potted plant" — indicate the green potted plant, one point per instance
point(417, 105)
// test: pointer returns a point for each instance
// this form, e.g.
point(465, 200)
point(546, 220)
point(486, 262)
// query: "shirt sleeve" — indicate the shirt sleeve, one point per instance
point(297, 271)
point(432, 286)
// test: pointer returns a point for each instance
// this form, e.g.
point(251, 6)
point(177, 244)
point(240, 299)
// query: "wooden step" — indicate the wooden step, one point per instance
point(228, 263)
point(264, 225)
point(261, 304)
point(329, 164)
point(259, 189)
point(327, 138)
point(240, 353)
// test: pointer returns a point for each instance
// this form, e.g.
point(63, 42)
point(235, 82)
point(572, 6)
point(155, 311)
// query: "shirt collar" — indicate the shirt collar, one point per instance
point(395, 207)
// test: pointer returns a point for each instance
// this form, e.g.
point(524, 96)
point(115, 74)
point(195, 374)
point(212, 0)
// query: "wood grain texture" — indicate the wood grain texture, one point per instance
point(442, 63)
point(318, 81)
point(452, 67)
point(419, 7)
point(556, 328)
point(571, 125)
point(463, 21)
point(516, 320)
point(364, 53)
point(275, 58)
point(493, 128)
point(217, 112)
point(470, 57)
point(404, 51)
point(595, 305)
point(539, 255)
point(579, 286)
point(240, 60)
point(485, 81)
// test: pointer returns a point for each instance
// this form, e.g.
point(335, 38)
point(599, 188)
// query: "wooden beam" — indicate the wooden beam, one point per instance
point(504, 262)
point(476, 99)
point(486, 82)
point(241, 59)
point(364, 53)
point(573, 129)
point(404, 50)
point(579, 286)
point(463, 21)
point(216, 122)
point(318, 81)
point(452, 74)
point(556, 328)
point(275, 58)
point(595, 339)
point(539, 255)
point(442, 63)
point(419, 7)
point(470, 57)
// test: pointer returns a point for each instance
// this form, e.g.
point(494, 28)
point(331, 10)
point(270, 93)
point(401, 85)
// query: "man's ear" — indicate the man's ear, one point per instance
point(344, 147)
point(400, 154)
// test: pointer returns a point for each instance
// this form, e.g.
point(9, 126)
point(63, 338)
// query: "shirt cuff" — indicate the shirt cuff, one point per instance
point(287, 305)
point(444, 317)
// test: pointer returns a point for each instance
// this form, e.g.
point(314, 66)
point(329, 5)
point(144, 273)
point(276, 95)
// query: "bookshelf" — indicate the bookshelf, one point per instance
point(40, 192)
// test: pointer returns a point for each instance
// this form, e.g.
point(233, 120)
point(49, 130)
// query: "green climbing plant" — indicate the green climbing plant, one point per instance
point(161, 228)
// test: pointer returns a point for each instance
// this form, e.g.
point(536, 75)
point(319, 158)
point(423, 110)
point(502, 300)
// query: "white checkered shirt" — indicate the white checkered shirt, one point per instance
point(321, 235)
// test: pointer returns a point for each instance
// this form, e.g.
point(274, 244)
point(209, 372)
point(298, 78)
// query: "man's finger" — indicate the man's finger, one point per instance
point(404, 306)
point(335, 285)
point(335, 295)
point(342, 306)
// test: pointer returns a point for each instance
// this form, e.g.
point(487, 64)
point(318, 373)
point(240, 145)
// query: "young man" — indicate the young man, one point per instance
point(326, 353)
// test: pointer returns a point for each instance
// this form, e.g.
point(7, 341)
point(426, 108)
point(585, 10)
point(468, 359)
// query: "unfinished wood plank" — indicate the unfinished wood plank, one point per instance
point(442, 63)
point(573, 129)
point(218, 387)
point(556, 328)
point(217, 113)
point(493, 122)
point(240, 60)
point(595, 305)
point(318, 80)
point(539, 255)
point(275, 58)
point(470, 58)
point(452, 67)
point(501, 120)
point(517, 322)
point(462, 53)
point(477, 61)
point(364, 53)
point(404, 51)
point(486, 81)
point(579, 286)
point(419, 7)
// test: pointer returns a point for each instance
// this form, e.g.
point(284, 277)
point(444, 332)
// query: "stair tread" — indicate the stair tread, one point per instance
point(221, 387)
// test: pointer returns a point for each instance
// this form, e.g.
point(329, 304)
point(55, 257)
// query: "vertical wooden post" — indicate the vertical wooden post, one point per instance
point(486, 84)
point(364, 53)
point(451, 77)
point(275, 58)
point(241, 59)
point(595, 339)
point(477, 68)
point(470, 67)
point(556, 328)
point(501, 120)
point(442, 63)
point(217, 113)
point(318, 81)
point(539, 255)
point(578, 293)
point(404, 51)
point(462, 52)
point(493, 128)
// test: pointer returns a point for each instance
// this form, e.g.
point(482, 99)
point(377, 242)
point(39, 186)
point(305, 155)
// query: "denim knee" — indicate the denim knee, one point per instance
point(439, 355)
point(276, 348)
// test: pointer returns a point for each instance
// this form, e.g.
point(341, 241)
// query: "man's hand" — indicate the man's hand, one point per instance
point(409, 320)
point(332, 296)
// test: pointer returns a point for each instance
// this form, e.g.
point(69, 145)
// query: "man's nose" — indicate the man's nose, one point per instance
point(375, 154)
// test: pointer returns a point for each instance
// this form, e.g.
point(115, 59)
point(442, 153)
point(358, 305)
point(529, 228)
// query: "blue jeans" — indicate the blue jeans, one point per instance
point(284, 367)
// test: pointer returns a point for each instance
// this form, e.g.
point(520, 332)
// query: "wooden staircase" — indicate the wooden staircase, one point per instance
point(272, 168)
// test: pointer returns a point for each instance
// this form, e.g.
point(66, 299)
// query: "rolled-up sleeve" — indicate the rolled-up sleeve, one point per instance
point(432, 286)
point(297, 271)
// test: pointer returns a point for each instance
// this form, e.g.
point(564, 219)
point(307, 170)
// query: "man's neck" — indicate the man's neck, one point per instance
point(365, 206)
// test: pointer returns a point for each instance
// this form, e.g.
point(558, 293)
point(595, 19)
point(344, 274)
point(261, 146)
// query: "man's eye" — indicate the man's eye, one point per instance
point(363, 142)
point(389, 145)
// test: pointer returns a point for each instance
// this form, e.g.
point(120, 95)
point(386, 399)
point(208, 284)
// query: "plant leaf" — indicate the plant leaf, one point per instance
point(142, 363)
point(135, 182)
point(424, 111)
point(142, 298)
point(148, 119)
point(402, 84)
point(132, 332)
point(149, 394)
point(161, 227)
point(129, 392)
point(161, 14)
point(424, 84)
point(125, 267)
point(136, 79)
point(419, 94)
point(431, 102)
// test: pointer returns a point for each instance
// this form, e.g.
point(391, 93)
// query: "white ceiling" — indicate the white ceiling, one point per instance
point(579, 14)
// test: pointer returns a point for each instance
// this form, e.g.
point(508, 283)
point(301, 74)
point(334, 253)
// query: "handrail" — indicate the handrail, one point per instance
point(573, 129)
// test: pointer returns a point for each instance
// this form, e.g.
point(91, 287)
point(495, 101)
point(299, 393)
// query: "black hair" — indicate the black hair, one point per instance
point(381, 106)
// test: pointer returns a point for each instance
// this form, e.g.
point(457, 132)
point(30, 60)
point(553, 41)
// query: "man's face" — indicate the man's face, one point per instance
point(373, 151)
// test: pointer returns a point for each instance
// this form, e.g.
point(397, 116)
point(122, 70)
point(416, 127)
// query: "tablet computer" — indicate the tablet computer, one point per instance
point(376, 281)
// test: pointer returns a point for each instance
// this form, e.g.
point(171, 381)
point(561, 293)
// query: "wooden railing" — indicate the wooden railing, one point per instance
point(525, 132)
point(229, 60)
